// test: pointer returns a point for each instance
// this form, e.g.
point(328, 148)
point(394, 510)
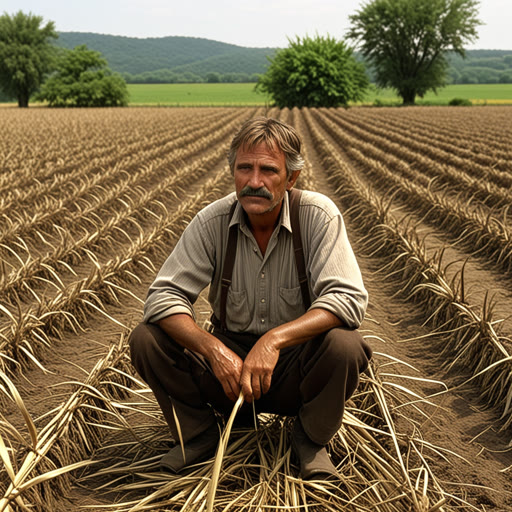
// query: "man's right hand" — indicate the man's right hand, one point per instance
point(227, 367)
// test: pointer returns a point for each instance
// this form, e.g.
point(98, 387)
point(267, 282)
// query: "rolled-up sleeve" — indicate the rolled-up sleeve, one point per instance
point(185, 273)
point(336, 281)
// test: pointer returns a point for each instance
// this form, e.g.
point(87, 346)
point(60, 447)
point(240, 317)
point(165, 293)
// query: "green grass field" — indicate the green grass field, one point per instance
point(195, 94)
point(244, 94)
point(489, 94)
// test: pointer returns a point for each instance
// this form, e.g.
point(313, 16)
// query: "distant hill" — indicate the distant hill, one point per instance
point(171, 55)
point(193, 59)
point(482, 67)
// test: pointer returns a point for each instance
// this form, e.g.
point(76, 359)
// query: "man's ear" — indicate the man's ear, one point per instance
point(292, 179)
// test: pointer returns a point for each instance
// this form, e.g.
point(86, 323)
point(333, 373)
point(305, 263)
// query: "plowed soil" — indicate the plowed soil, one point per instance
point(472, 455)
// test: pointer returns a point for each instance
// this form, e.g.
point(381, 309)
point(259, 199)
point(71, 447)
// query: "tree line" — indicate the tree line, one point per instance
point(473, 69)
point(482, 67)
point(166, 76)
point(195, 60)
point(406, 43)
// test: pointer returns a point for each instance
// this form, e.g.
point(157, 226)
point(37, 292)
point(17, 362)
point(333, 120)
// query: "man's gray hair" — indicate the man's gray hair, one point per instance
point(275, 134)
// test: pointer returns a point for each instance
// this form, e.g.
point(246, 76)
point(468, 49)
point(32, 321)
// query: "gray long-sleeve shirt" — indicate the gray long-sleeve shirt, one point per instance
point(265, 291)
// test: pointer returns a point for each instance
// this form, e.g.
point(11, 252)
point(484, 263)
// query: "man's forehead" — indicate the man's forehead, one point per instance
point(259, 148)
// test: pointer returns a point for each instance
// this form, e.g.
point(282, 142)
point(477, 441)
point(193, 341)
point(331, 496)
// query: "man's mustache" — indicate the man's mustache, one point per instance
point(256, 192)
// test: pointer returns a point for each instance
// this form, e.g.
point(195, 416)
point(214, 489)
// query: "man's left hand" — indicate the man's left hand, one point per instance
point(258, 368)
point(262, 359)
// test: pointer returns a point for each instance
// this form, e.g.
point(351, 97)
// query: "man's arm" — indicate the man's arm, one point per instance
point(260, 362)
point(335, 277)
point(226, 365)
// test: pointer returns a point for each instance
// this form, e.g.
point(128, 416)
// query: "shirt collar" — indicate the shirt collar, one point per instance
point(284, 218)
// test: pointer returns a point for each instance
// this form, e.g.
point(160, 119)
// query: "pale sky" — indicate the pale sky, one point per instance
point(252, 23)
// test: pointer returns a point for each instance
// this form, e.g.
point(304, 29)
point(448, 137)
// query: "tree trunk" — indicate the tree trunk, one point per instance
point(23, 99)
point(408, 96)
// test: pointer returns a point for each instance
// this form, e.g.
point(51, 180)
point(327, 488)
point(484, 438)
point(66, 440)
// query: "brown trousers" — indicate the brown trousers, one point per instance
point(311, 380)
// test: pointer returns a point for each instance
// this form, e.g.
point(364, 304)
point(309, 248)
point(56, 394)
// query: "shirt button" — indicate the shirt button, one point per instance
point(262, 275)
point(263, 300)
point(262, 320)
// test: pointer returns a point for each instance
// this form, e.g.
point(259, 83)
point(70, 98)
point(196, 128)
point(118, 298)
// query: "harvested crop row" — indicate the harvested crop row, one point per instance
point(480, 130)
point(100, 230)
point(29, 332)
point(61, 192)
point(468, 334)
point(467, 142)
point(423, 155)
point(62, 151)
point(58, 218)
point(485, 233)
point(59, 149)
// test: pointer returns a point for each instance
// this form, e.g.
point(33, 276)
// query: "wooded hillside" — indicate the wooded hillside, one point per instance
point(192, 59)
point(164, 59)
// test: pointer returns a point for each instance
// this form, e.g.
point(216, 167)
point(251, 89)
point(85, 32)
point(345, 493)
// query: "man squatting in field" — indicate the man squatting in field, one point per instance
point(294, 353)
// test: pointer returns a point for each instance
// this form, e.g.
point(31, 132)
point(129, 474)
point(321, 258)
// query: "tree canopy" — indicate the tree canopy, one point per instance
point(314, 72)
point(83, 79)
point(26, 54)
point(406, 41)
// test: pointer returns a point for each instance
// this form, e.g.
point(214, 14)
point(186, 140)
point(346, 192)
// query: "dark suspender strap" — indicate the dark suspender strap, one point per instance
point(297, 247)
point(229, 263)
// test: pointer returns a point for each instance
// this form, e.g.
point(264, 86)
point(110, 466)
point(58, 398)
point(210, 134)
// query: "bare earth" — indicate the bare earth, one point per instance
point(474, 455)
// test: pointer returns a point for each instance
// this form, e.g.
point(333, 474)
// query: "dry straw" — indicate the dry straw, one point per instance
point(468, 335)
point(36, 469)
point(383, 470)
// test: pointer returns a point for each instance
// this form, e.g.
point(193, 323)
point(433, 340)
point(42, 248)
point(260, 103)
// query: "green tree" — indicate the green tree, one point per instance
point(506, 77)
point(314, 72)
point(26, 54)
point(82, 79)
point(213, 77)
point(406, 41)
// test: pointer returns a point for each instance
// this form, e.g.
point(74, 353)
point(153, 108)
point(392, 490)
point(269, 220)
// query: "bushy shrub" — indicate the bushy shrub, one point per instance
point(83, 80)
point(314, 72)
point(460, 102)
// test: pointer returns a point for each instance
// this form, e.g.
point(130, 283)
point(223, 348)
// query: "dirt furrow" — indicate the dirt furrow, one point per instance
point(468, 454)
point(463, 140)
point(456, 421)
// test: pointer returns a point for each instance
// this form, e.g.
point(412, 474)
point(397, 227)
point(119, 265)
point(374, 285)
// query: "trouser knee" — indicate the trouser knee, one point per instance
point(331, 375)
point(347, 347)
point(149, 347)
point(162, 363)
point(139, 340)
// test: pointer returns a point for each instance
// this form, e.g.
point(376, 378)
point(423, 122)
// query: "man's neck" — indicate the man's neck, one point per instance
point(265, 221)
point(262, 226)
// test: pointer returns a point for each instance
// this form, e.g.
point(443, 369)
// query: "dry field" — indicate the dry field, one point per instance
point(91, 203)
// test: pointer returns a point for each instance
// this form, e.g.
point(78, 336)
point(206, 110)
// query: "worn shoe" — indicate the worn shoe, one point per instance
point(197, 449)
point(314, 461)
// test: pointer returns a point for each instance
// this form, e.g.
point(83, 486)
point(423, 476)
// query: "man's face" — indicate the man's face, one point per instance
point(260, 178)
